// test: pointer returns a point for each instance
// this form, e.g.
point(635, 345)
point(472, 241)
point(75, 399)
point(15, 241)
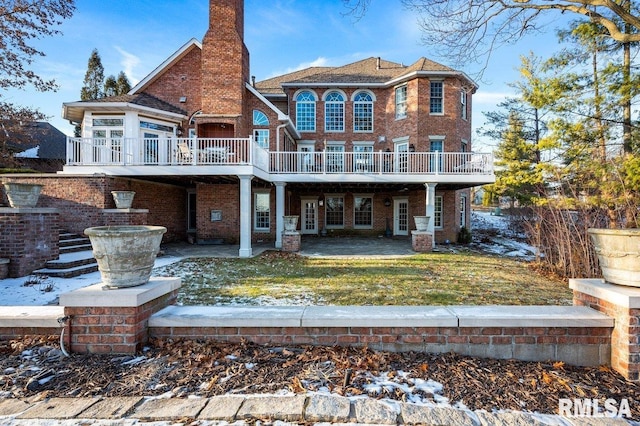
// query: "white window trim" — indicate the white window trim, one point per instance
point(268, 138)
point(463, 210)
point(354, 211)
point(464, 98)
point(433, 80)
point(373, 110)
point(255, 227)
point(441, 226)
point(344, 212)
point(395, 101)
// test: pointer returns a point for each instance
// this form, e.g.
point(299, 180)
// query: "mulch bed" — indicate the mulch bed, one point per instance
point(35, 367)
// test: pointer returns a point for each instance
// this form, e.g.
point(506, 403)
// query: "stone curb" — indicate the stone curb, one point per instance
point(244, 409)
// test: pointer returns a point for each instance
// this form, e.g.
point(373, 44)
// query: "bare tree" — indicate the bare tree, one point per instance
point(469, 30)
point(22, 22)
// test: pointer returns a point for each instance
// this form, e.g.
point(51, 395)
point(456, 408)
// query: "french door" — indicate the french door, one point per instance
point(309, 216)
point(400, 217)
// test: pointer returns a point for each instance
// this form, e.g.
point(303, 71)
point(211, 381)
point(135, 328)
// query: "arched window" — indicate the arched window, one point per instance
point(306, 111)
point(334, 112)
point(260, 118)
point(261, 136)
point(363, 112)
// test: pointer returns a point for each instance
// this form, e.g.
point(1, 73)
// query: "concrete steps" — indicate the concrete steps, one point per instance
point(76, 258)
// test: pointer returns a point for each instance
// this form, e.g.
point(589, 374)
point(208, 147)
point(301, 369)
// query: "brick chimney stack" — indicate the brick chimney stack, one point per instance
point(225, 63)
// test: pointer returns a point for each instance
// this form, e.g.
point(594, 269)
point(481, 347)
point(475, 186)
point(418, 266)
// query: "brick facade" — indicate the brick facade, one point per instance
point(82, 202)
point(29, 238)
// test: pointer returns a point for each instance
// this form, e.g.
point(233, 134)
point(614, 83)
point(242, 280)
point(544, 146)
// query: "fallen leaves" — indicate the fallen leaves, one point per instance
point(203, 368)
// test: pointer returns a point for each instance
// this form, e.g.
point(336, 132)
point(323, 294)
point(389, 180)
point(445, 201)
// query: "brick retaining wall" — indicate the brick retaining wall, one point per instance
point(574, 335)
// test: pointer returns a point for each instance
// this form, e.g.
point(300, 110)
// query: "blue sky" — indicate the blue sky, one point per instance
point(281, 35)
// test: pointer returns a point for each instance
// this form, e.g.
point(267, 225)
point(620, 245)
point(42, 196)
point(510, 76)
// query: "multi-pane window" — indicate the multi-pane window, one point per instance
point(335, 158)
point(463, 210)
point(362, 211)
point(334, 211)
point(108, 134)
point(334, 112)
point(437, 212)
point(435, 103)
point(306, 112)
point(463, 104)
point(262, 212)
point(401, 101)
point(261, 136)
point(363, 157)
point(363, 112)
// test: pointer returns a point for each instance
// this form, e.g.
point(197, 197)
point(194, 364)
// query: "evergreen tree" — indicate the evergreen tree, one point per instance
point(116, 87)
point(110, 86)
point(123, 86)
point(93, 79)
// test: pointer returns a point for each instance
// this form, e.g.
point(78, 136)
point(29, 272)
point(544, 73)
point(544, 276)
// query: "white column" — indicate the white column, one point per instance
point(431, 207)
point(245, 216)
point(280, 194)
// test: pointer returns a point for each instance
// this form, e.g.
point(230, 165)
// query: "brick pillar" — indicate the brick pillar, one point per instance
point(291, 241)
point(4, 268)
point(115, 320)
point(30, 237)
point(422, 241)
point(623, 304)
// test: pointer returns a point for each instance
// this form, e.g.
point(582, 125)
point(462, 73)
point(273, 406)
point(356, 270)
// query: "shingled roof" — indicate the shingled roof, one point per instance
point(367, 71)
point(142, 99)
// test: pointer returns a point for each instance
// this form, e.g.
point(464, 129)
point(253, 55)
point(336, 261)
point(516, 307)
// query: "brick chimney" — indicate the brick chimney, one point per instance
point(225, 64)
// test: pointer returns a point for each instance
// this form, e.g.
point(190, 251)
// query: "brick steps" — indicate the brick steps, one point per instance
point(76, 258)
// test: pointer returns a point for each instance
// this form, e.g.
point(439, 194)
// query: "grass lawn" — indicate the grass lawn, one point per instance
point(424, 279)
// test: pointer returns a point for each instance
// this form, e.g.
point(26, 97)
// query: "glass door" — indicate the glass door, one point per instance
point(150, 146)
point(306, 158)
point(400, 217)
point(402, 156)
point(309, 218)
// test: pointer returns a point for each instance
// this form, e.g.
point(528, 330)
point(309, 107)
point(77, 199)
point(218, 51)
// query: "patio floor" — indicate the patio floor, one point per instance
point(311, 246)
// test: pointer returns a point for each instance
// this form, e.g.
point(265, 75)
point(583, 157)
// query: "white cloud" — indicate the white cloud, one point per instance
point(129, 64)
point(490, 98)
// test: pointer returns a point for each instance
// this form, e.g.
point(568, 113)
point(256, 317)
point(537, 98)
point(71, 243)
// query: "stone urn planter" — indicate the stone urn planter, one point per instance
point(123, 199)
point(618, 251)
point(22, 195)
point(422, 222)
point(125, 253)
point(290, 223)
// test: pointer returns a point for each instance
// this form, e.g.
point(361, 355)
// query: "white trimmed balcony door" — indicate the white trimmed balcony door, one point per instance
point(400, 216)
point(309, 216)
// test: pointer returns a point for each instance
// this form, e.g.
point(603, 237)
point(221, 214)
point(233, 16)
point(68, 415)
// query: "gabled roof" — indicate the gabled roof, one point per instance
point(74, 111)
point(367, 72)
point(24, 136)
point(167, 64)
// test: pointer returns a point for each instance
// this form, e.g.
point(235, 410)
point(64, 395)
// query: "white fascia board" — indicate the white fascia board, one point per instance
point(281, 115)
point(122, 106)
point(177, 55)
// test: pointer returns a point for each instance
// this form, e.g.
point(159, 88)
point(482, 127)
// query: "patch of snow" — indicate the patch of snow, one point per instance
point(15, 293)
point(29, 153)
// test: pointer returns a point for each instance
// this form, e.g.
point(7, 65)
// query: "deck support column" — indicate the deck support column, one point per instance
point(245, 217)
point(279, 212)
point(430, 208)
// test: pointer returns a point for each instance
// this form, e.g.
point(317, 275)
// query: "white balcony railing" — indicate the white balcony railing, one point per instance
point(213, 152)
point(159, 151)
point(414, 163)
